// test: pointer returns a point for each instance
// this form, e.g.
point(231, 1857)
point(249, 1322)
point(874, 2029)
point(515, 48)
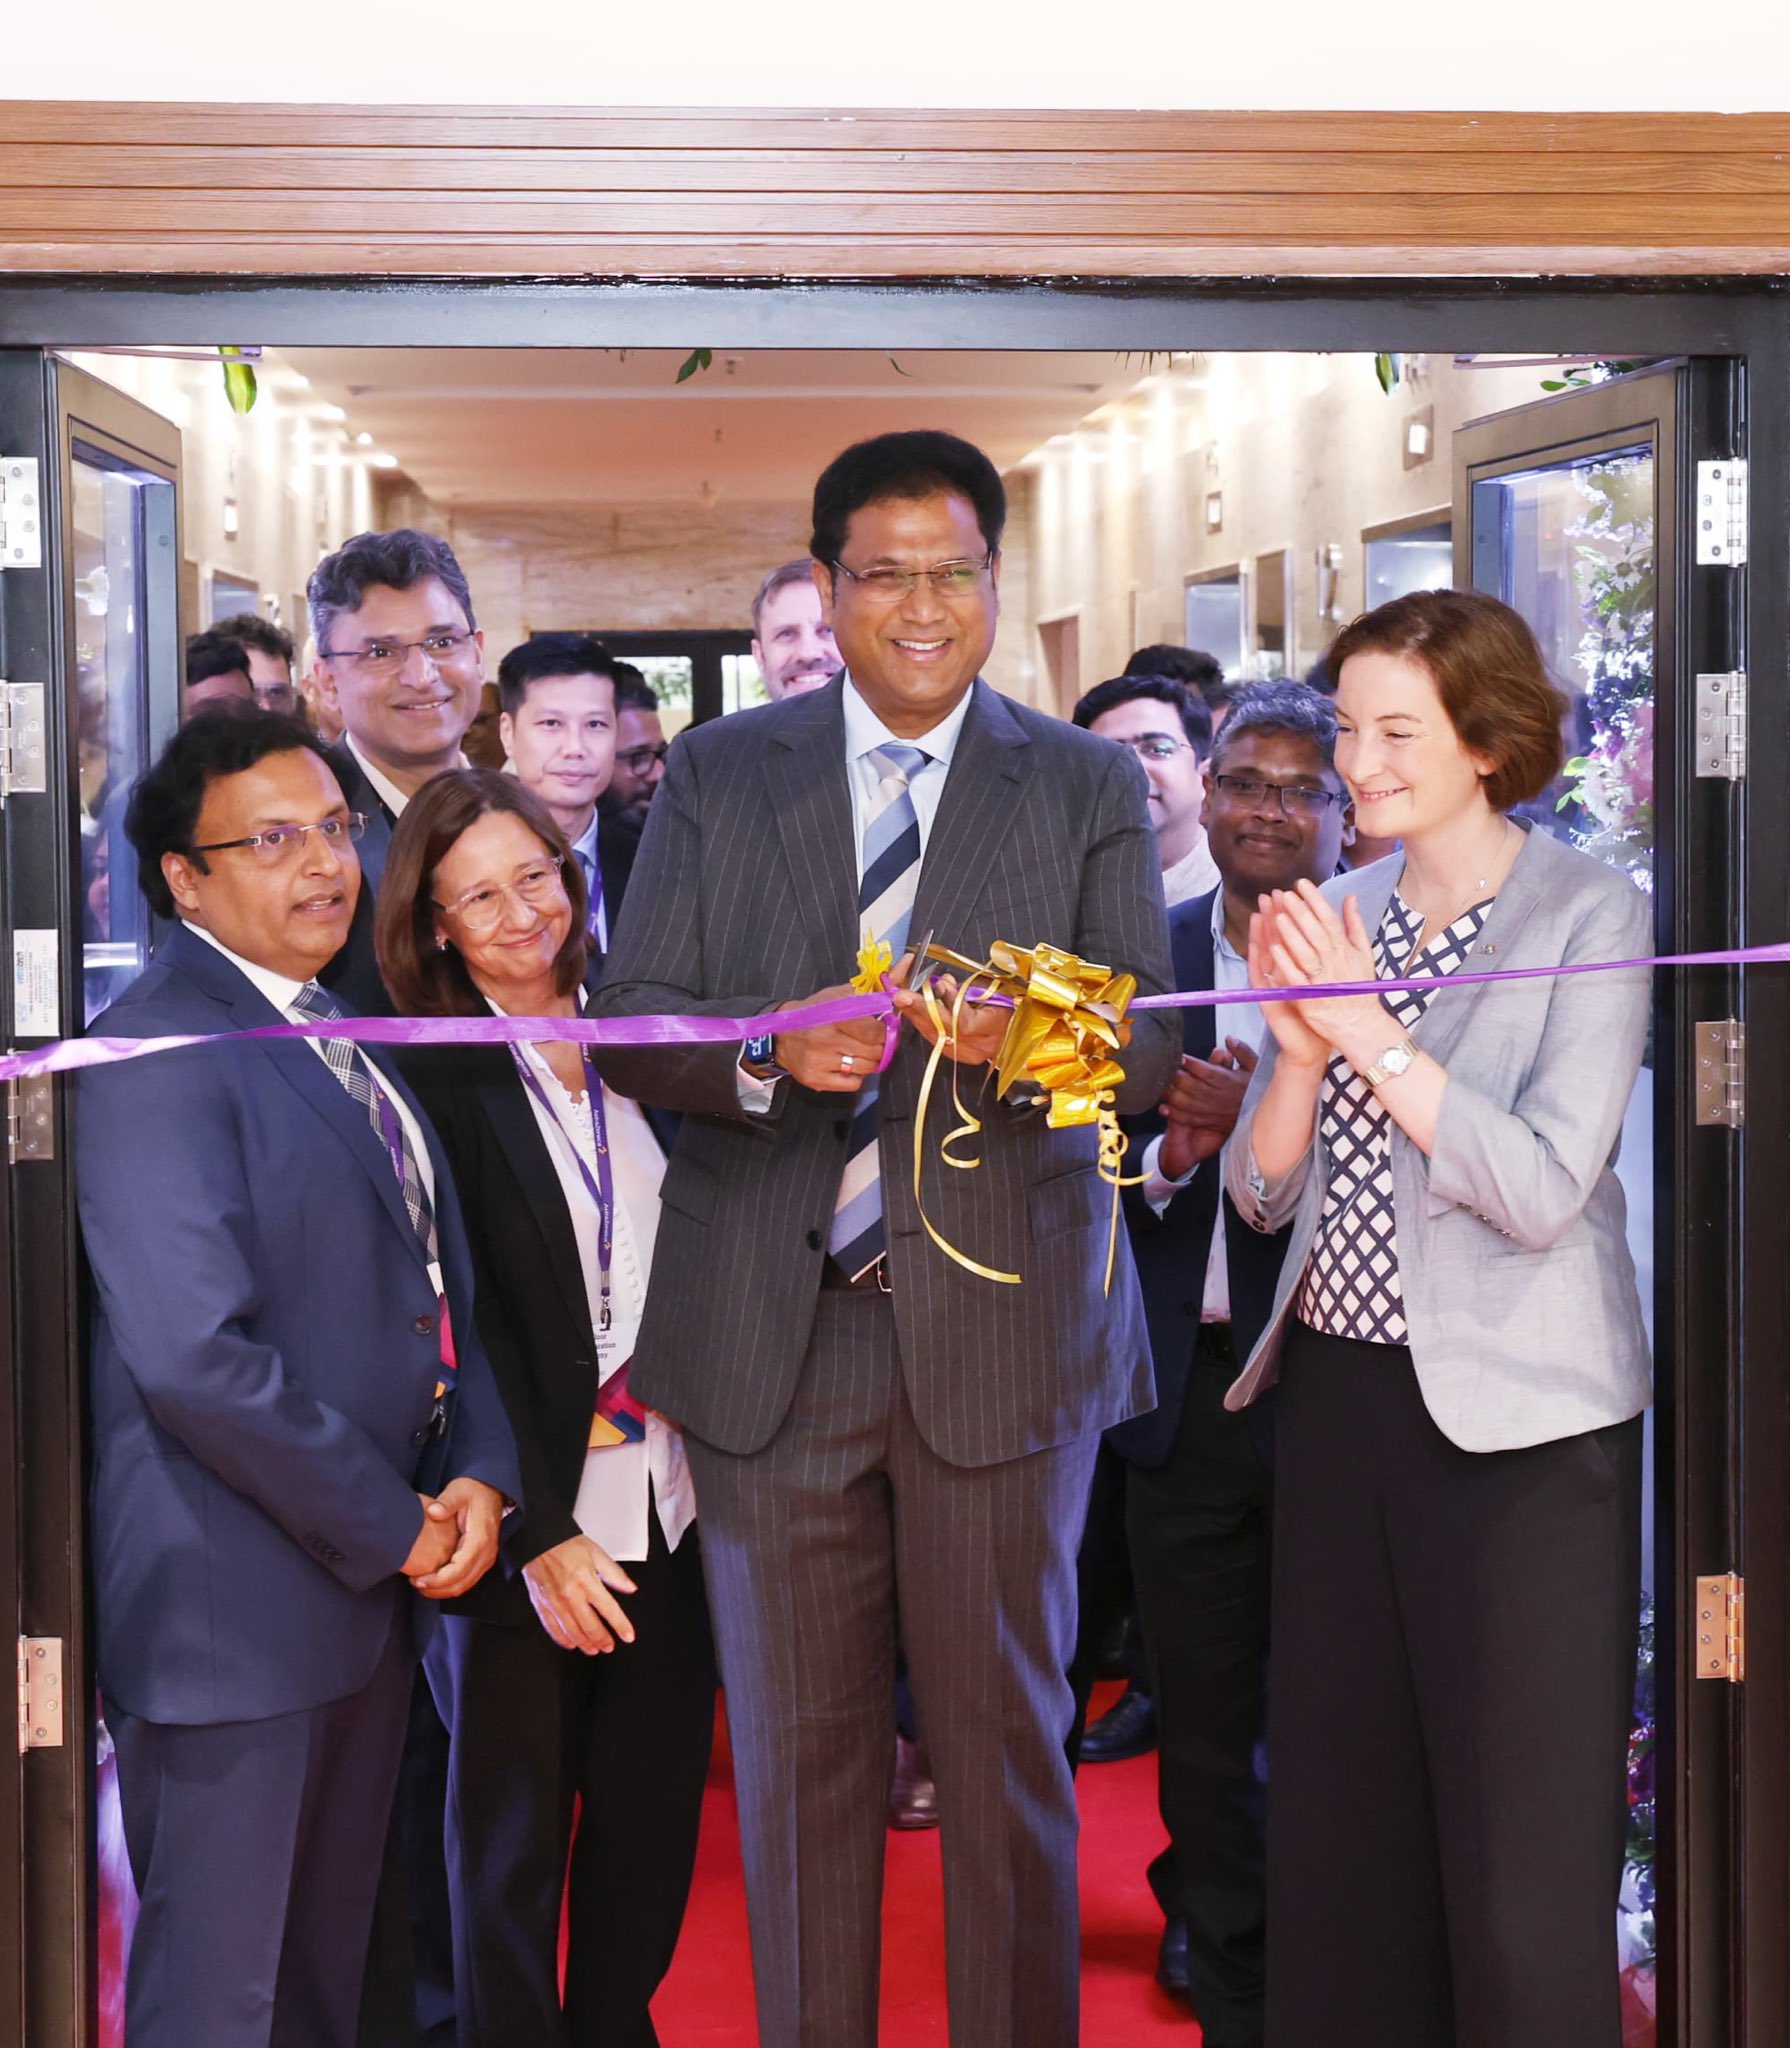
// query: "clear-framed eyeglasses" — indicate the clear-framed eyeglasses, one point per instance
point(381, 658)
point(948, 579)
point(1155, 746)
point(540, 885)
point(281, 842)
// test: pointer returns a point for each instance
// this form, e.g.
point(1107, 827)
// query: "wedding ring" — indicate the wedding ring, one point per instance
point(845, 1063)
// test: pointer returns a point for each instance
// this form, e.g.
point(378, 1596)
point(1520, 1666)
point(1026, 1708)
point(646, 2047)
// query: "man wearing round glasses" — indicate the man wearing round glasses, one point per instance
point(1167, 726)
point(402, 664)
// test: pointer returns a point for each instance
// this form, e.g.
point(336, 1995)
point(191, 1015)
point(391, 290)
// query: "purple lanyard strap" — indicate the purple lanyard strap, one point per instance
point(600, 1186)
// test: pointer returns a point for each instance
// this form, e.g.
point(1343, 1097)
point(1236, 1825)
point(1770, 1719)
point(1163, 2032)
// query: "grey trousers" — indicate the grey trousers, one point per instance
point(810, 1545)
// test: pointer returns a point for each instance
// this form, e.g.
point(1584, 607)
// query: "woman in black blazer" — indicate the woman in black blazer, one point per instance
point(585, 1683)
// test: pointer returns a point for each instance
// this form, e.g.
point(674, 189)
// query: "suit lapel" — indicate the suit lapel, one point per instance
point(1196, 967)
point(504, 1099)
point(990, 769)
point(299, 1067)
point(805, 779)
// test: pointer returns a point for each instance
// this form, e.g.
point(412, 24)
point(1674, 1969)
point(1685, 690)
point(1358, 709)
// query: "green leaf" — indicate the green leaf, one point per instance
point(240, 387)
point(1387, 370)
point(697, 359)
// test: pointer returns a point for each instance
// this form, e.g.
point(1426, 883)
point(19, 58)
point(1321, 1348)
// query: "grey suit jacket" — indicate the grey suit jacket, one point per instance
point(1525, 1323)
point(745, 895)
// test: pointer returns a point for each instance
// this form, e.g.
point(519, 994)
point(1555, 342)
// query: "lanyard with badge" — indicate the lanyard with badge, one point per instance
point(619, 1418)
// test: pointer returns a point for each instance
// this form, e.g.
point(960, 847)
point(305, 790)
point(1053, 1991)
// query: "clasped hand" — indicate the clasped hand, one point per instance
point(1201, 1106)
point(458, 1542)
point(1296, 940)
point(837, 1059)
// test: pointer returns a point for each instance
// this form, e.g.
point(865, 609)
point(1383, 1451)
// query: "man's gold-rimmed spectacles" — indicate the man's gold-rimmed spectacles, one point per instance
point(949, 579)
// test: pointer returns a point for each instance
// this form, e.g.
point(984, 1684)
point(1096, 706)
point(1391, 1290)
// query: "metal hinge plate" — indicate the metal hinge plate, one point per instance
point(40, 1693)
point(30, 1119)
point(21, 515)
point(1721, 513)
point(23, 770)
point(1721, 1071)
point(1721, 725)
point(1721, 1627)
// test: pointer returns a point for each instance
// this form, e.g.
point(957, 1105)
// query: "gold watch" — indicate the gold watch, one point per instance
point(1395, 1060)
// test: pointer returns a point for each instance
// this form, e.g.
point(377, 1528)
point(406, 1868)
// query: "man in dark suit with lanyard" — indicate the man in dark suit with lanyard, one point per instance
point(866, 1420)
point(292, 1413)
point(403, 665)
point(1197, 1493)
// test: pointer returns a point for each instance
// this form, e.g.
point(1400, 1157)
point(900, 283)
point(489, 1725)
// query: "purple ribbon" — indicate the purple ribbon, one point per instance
point(68, 1055)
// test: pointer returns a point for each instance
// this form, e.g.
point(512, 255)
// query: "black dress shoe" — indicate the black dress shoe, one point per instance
point(913, 1797)
point(1171, 1959)
point(1126, 1729)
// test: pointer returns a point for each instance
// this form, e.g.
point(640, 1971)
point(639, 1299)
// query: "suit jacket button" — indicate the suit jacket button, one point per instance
point(424, 1326)
point(419, 1437)
point(814, 1240)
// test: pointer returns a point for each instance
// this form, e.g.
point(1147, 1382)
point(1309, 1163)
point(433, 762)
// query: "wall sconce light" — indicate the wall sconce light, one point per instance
point(231, 519)
point(1329, 560)
point(1420, 437)
point(1214, 511)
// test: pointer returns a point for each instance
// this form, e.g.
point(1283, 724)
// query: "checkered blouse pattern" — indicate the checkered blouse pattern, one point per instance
point(1351, 1286)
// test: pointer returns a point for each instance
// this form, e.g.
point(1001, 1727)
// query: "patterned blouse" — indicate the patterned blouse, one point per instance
point(1351, 1286)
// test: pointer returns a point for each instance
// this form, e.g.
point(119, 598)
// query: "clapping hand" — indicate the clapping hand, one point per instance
point(1201, 1106)
point(1304, 943)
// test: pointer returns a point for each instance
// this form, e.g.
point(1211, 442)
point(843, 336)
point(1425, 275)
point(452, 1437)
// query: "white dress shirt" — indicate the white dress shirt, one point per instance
point(864, 732)
point(613, 1493)
point(384, 787)
point(1233, 1020)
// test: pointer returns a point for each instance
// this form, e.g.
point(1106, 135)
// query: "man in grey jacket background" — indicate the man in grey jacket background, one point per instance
point(871, 1425)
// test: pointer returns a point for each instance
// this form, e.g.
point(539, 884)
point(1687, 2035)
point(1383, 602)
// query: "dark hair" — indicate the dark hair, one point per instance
point(1321, 677)
point(911, 465)
point(1282, 706)
point(251, 630)
point(780, 579)
point(213, 654)
point(398, 560)
point(1489, 673)
point(549, 654)
point(632, 690)
point(1200, 671)
point(163, 813)
point(1188, 705)
point(425, 980)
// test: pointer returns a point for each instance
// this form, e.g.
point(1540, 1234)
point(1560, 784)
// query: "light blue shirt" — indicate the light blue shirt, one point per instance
point(585, 847)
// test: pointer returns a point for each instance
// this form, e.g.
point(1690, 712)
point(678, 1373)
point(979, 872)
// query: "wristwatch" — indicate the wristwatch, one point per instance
point(759, 1057)
point(1395, 1060)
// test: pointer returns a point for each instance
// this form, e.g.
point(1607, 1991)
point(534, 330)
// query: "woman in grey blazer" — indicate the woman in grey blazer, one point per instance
point(1462, 1362)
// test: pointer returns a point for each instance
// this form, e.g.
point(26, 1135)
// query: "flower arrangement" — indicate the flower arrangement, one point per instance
point(1610, 784)
point(1635, 1911)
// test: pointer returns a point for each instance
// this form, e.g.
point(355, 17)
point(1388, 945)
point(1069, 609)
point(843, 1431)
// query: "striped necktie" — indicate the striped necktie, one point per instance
point(596, 925)
point(891, 874)
point(346, 1061)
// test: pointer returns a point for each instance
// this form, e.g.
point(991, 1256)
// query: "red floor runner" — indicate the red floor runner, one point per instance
point(706, 2002)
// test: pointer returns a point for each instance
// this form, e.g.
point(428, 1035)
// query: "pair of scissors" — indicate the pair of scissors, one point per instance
point(892, 1023)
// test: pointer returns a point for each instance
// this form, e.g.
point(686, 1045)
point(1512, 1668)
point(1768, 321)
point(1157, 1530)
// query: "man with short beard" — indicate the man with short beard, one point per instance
point(791, 640)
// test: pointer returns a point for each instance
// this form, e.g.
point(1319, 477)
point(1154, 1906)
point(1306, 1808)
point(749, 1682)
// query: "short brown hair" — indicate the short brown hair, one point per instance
point(1489, 673)
point(425, 980)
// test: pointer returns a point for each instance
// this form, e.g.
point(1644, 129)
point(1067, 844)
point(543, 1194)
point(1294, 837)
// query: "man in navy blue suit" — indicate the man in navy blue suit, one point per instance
point(293, 1423)
point(1197, 1496)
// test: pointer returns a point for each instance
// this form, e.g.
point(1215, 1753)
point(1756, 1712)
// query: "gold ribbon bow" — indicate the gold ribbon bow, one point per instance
point(1069, 1019)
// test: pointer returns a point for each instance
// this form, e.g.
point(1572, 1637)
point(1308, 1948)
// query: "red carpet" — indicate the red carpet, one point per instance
point(707, 2000)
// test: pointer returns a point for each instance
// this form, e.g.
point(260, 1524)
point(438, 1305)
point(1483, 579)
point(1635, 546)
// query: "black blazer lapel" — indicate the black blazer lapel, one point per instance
point(1190, 939)
point(805, 780)
point(981, 799)
point(504, 1101)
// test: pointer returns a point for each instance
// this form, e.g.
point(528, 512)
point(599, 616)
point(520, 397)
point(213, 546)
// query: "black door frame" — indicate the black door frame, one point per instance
point(1746, 319)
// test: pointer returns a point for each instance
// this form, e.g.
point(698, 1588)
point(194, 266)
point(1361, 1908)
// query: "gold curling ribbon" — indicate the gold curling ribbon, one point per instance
point(1069, 1020)
point(875, 958)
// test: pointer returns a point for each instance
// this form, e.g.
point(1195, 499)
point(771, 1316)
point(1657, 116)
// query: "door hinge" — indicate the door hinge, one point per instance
point(21, 516)
point(1721, 1627)
point(30, 1119)
point(1721, 513)
point(23, 771)
point(1721, 725)
point(1721, 1071)
point(40, 1693)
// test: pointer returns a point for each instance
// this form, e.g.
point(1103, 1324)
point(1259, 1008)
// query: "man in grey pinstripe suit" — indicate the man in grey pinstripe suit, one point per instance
point(872, 1427)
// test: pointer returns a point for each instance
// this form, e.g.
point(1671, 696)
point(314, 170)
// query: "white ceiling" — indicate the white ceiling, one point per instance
point(577, 426)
